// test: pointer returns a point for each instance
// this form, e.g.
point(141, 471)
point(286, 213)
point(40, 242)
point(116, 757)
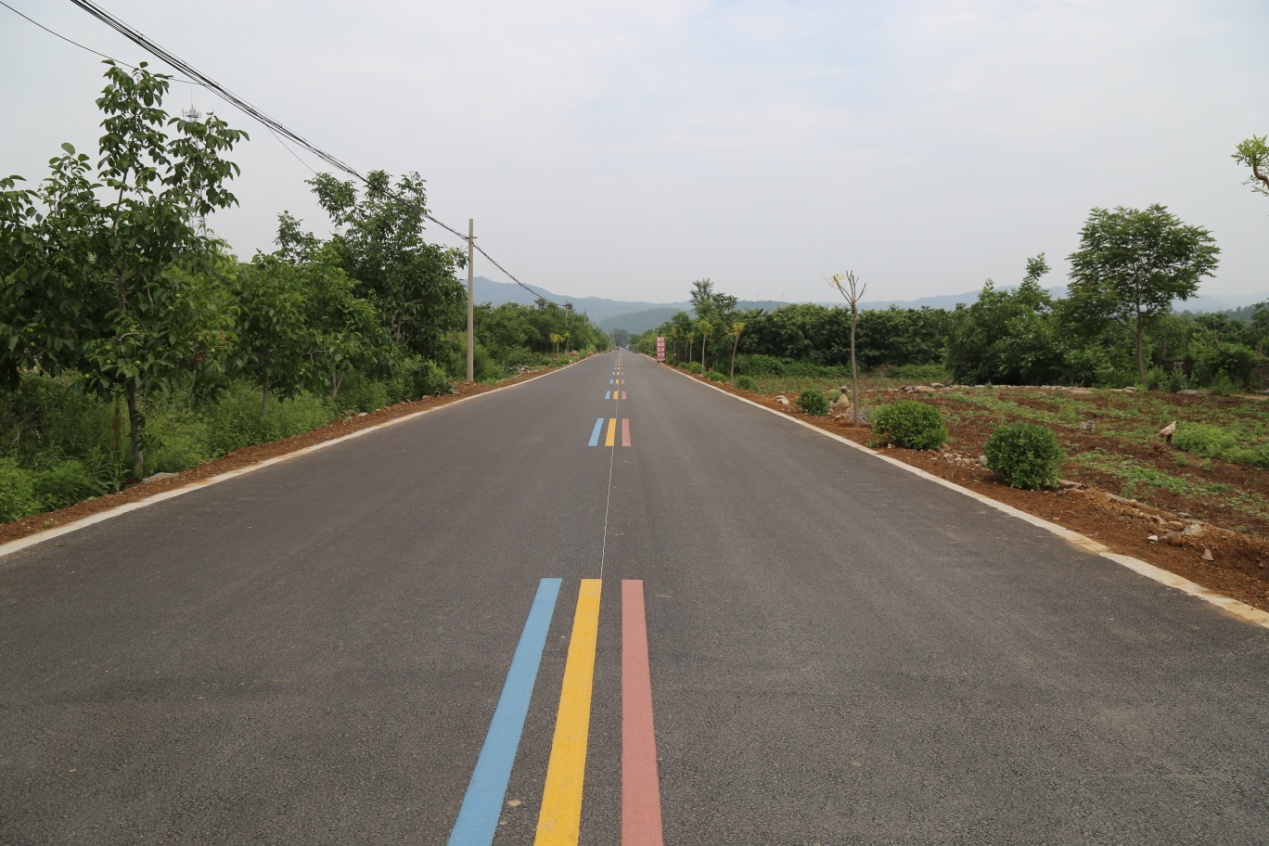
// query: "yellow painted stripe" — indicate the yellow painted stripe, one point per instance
point(611, 438)
point(560, 822)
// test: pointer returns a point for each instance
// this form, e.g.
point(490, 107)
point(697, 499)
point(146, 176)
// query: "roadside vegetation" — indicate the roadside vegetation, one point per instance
point(132, 342)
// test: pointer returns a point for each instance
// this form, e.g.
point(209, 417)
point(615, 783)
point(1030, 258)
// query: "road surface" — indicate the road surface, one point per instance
point(426, 635)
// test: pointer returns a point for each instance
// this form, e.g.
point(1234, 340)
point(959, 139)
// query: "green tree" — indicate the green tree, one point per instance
point(1133, 263)
point(1254, 153)
point(274, 338)
point(411, 282)
point(345, 331)
point(93, 281)
point(1008, 337)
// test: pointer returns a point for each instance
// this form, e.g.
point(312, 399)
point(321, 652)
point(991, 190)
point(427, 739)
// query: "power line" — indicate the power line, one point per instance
point(77, 44)
point(268, 122)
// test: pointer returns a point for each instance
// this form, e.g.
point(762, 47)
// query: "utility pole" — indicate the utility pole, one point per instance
point(471, 296)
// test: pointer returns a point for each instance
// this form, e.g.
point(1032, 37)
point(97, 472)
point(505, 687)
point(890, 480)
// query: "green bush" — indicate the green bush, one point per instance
point(17, 492)
point(813, 402)
point(360, 393)
point(715, 376)
point(746, 383)
point(695, 367)
point(66, 483)
point(909, 424)
point(759, 365)
point(919, 373)
point(1204, 440)
point(1158, 379)
point(430, 380)
point(1025, 455)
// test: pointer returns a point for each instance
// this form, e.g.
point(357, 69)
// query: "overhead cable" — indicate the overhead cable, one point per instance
point(270, 123)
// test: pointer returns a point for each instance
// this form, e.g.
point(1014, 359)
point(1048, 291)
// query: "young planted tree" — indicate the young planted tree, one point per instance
point(704, 327)
point(92, 280)
point(736, 328)
point(1133, 263)
point(848, 286)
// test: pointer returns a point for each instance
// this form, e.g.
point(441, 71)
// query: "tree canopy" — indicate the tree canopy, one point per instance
point(1133, 263)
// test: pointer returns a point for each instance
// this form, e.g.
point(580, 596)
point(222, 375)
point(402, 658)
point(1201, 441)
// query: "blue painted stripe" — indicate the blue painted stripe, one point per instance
point(478, 818)
point(607, 394)
point(594, 436)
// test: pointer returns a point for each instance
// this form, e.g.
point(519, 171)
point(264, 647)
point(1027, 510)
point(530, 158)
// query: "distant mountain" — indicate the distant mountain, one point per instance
point(597, 308)
point(637, 317)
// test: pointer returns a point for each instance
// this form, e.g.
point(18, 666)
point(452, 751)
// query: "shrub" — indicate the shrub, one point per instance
point(909, 424)
point(1025, 455)
point(17, 492)
point(360, 393)
point(715, 376)
point(430, 380)
point(745, 383)
point(1204, 440)
point(695, 367)
point(813, 402)
point(66, 483)
point(918, 372)
point(752, 364)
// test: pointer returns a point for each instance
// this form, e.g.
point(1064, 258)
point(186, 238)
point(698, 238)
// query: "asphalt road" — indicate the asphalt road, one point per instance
point(839, 652)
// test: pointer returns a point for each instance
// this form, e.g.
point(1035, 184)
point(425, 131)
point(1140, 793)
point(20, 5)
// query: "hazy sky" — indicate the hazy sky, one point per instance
point(623, 149)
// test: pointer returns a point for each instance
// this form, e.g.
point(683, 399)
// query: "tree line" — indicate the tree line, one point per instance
point(1115, 327)
point(114, 288)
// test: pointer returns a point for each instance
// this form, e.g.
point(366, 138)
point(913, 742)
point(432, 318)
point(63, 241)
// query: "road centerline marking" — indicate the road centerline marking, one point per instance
point(482, 805)
point(640, 785)
point(559, 823)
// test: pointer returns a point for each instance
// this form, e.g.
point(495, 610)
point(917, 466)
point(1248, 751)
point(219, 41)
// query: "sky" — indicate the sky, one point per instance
point(624, 148)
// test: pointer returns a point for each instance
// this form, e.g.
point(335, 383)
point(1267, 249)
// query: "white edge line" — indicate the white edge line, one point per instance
point(1232, 607)
point(83, 523)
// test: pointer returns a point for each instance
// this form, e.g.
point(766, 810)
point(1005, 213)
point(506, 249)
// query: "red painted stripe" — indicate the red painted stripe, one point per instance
point(640, 787)
point(625, 431)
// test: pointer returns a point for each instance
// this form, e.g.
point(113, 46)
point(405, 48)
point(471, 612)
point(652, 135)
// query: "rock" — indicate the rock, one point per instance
point(1070, 485)
point(1152, 538)
point(782, 400)
point(158, 477)
point(1207, 555)
point(923, 389)
point(364, 414)
point(1194, 530)
point(982, 459)
point(937, 385)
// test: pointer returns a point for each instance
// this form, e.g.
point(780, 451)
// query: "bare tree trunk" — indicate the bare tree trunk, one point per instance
point(734, 346)
point(1141, 358)
point(264, 396)
point(854, 371)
